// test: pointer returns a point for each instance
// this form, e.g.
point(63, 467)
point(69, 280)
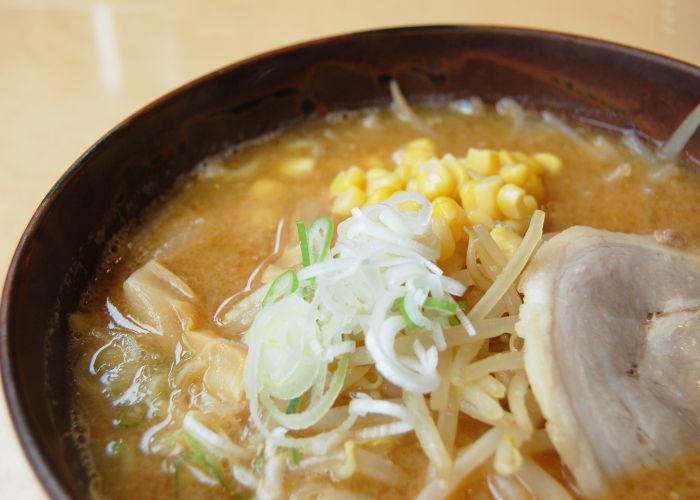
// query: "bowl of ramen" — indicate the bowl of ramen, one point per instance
point(436, 262)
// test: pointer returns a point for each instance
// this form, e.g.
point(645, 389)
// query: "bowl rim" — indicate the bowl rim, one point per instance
point(40, 466)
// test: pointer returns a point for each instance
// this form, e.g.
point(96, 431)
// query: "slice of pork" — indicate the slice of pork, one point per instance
point(611, 324)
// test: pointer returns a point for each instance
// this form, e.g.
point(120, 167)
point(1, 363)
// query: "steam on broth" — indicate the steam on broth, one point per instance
point(381, 357)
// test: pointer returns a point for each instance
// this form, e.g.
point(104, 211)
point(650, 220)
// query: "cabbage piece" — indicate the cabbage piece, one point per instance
point(224, 374)
point(161, 302)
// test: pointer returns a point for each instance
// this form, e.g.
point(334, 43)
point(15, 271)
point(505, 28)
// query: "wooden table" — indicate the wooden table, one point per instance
point(70, 70)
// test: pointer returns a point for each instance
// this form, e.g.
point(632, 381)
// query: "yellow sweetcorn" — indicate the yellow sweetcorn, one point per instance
point(415, 153)
point(409, 206)
point(297, 166)
point(518, 226)
point(533, 166)
point(379, 177)
point(534, 186)
point(380, 194)
point(485, 193)
point(500, 189)
point(478, 217)
point(483, 161)
point(506, 158)
point(373, 161)
point(511, 201)
point(458, 171)
point(441, 229)
point(466, 196)
point(434, 179)
point(455, 216)
point(508, 241)
point(353, 176)
point(550, 162)
point(345, 202)
point(514, 174)
point(530, 204)
point(267, 188)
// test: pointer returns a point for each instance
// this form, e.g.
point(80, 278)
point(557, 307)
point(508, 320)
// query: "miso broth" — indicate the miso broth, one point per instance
point(223, 225)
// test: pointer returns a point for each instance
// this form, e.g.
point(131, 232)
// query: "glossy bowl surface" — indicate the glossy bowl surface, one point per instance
point(138, 160)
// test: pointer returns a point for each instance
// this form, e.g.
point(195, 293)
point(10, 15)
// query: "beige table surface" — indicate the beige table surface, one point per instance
point(70, 70)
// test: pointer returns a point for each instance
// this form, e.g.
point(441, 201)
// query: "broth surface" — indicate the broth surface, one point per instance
point(215, 229)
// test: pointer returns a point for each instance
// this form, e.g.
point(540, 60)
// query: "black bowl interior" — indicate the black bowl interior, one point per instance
point(138, 160)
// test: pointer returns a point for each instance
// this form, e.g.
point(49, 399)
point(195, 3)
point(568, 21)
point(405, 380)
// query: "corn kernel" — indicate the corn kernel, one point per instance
point(434, 179)
point(409, 206)
point(267, 188)
point(441, 229)
point(415, 153)
point(457, 169)
point(297, 166)
point(478, 217)
point(550, 162)
point(466, 195)
point(518, 226)
point(507, 240)
point(485, 193)
point(533, 185)
point(483, 161)
point(373, 161)
point(530, 204)
point(506, 158)
point(511, 201)
point(514, 174)
point(453, 214)
point(532, 165)
point(344, 203)
point(379, 177)
point(380, 194)
point(353, 176)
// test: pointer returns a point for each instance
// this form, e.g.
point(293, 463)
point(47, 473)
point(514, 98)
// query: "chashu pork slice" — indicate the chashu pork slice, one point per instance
point(611, 324)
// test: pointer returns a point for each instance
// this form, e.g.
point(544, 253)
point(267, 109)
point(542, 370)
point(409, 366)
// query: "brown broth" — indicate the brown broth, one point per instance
point(213, 232)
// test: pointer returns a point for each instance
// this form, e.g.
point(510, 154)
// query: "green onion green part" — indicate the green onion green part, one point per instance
point(176, 475)
point(293, 405)
point(440, 305)
point(200, 457)
point(402, 309)
point(127, 418)
point(303, 243)
point(293, 456)
point(285, 284)
point(257, 464)
point(319, 239)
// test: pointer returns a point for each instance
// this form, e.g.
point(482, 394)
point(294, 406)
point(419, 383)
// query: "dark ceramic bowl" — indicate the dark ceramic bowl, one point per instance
point(138, 160)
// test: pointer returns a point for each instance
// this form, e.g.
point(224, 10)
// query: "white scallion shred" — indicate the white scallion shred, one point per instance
point(675, 144)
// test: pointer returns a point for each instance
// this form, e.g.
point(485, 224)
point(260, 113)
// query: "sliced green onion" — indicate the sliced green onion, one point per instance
point(440, 305)
point(303, 243)
point(202, 458)
point(293, 405)
point(293, 456)
point(319, 238)
point(285, 284)
point(317, 409)
point(176, 475)
point(127, 418)
point(258, 464)
point(402, 309)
